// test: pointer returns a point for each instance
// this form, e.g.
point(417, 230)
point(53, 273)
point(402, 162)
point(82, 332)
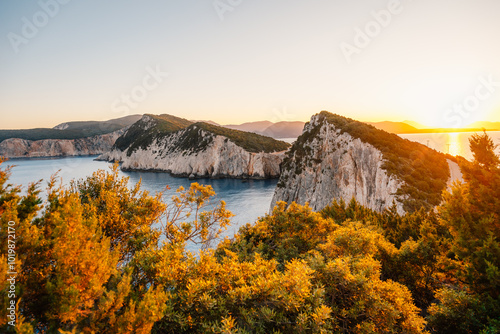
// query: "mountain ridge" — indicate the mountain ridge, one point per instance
point(283, 129)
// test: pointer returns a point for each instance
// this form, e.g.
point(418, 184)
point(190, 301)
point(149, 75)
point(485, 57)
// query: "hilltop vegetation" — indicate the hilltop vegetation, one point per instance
point(98, 257)
point(87, 125)
point(251, 142)
point(44, 133)
point(148, 129)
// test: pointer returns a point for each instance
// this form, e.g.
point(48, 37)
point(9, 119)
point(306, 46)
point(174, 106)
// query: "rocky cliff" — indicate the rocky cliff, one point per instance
point(23, 148)
point(339, 158)
point(160, 143)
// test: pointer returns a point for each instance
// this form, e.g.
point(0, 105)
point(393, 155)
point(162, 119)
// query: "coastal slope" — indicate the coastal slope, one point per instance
point(24, 148)
point(66, 139)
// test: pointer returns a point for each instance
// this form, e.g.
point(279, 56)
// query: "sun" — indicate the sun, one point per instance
point(446, 100)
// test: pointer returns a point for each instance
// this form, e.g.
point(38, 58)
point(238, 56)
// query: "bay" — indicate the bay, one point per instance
point(246, 199)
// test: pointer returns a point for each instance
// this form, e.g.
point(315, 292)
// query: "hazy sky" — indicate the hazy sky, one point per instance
point(231, 61)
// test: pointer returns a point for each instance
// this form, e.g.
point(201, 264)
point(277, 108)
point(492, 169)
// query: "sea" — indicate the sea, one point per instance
point(454, 143)
point(248, 200)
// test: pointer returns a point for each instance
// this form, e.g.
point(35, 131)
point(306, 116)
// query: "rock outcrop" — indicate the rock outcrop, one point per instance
point(339, 158)
point(198, 150)
point(22, 148)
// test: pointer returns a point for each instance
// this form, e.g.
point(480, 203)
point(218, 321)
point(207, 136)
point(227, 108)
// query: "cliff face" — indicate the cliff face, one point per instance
point(195, 152)
point(336, 166)
point(334, 158)
point(22, 148)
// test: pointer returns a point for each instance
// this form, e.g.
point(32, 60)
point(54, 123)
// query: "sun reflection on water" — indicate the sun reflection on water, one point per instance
point(454, 145)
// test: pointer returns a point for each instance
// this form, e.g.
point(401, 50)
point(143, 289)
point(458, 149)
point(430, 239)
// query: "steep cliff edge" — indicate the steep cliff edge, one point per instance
point(175, 145)
point(23, 148)
point(339, 158)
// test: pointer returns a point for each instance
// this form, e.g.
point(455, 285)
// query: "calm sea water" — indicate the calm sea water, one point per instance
point(455, 143)
point(247, 199)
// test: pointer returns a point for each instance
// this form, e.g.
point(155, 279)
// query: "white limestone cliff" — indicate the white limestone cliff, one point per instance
point(211, 156)
point(22, 148)
point(345, 168)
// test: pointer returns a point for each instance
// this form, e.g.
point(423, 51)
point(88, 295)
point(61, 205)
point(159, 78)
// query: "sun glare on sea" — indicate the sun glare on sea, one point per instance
point(454, 144)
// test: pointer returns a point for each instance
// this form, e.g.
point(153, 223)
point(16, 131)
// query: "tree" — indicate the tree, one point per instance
point(471, 212)
point(349, 294)
point(79, 253)
point(284, 235)
point(483, 150)
point(68, 275)
point(126, 216)
point(482, 177)
point(204, 227)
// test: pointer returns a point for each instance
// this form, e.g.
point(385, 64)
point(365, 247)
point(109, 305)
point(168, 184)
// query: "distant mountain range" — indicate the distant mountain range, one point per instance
point(279, 130)
point(71, 130)
point(283, 129)
point(395, 127)
point(250, 126)
point(294, 129)
point(414, 127)
point(486, 125)
point(115, 124)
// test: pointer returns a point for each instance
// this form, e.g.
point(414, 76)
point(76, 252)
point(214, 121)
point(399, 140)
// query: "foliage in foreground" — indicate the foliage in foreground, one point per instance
point(98, 257)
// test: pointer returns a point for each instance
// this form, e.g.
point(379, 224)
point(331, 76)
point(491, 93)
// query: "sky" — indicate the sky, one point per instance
point(436, 62)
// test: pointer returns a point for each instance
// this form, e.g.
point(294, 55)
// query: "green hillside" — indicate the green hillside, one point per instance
point(142, 133)
point(250, 141)
point(71, 130)
point(116, 123)
point(45, 133)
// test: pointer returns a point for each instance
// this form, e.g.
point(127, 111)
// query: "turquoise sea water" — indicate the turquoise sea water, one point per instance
point(247, 199)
